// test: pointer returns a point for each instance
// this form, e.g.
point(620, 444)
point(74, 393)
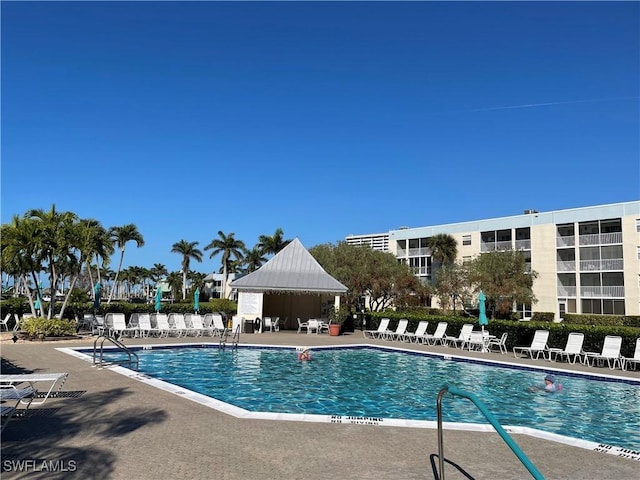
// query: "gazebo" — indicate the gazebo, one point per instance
point(291, 285)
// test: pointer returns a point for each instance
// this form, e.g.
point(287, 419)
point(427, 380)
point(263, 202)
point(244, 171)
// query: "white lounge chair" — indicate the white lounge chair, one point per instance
point(610, 352)
point(461, 339)
point(383, 327)
point(538, 345)
point(400, 330)
point(160, 321)
point(117, 324)
point(31, 378)
point(416, 336)
point(633, 361)
point(5, 322)
point(218, 324)
point(179, 326)
point(500, 343)
point(572, 350)
point(302, 325)
point(438, 335)
point(9, 393)
point(144, 326)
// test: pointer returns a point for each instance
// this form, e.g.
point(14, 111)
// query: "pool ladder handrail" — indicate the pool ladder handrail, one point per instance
point(535, 473)
point(132, 356)
point(235, 337)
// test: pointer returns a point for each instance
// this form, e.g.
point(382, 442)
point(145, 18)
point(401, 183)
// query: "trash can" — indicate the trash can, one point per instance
point(248, 326)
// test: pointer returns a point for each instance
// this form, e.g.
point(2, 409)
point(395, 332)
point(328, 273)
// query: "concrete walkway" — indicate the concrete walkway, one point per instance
point(110, 427)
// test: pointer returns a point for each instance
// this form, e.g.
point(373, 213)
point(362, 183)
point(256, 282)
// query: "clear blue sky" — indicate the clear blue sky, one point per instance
point(325, 119)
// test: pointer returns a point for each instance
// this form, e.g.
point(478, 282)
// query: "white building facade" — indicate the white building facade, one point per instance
point(588, 259)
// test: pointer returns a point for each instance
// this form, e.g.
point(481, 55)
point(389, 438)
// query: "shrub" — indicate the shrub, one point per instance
point(41, 327)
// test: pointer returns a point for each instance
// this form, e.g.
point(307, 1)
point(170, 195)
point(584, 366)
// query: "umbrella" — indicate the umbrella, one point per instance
point(37, 304)
point(196, 300)
point(158, 298)
point(482, 317)
point(97, 290)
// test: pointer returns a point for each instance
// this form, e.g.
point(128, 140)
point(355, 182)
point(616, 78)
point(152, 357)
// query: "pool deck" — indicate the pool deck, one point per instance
point(107, 426)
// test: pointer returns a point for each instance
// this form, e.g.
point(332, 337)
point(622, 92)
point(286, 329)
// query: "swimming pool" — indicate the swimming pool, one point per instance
point(373, 384)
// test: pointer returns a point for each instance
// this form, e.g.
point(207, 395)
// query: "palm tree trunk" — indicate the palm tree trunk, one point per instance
point(115, 281)
point(184, 285)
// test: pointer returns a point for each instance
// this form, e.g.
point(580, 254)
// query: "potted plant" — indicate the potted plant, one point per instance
point(336, 317)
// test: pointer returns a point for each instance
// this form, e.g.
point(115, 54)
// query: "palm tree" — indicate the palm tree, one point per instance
point(122, 235)
point(253, 259)
point(188, 251)
point(97, 244)
point(229, 247)
point(56, 244)
point(444, 248)
point(270, 245)
point(158, 272)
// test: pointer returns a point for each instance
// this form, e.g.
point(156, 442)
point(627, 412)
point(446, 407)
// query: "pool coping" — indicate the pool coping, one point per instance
point(232, 410)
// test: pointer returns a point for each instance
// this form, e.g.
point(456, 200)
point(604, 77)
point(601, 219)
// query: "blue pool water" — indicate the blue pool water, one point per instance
point(366, 382)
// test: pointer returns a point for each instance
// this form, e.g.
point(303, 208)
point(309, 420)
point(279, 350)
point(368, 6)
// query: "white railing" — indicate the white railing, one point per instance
point(602, 292)
point(565, 241)
point(601, 238)
point(523, 244)
point(569, 266)
point(419, 252)
point(504, 245)
point(487, 247)
point(401, 253)
point(566, 291)
point(599, 265)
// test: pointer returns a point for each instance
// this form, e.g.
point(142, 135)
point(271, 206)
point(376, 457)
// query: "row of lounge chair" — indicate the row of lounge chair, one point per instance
point(142, 325)
point(467, 339)
point(573, 351)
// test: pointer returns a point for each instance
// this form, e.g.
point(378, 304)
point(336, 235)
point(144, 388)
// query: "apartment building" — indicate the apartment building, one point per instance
point(588, 259)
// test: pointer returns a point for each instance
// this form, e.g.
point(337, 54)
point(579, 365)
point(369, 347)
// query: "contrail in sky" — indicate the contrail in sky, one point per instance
point(533, 105)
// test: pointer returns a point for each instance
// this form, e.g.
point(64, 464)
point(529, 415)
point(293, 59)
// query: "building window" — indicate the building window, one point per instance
point(466, 240)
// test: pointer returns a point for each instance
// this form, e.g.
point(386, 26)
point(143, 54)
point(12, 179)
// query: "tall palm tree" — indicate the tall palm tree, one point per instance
point(97, 244)
point(229, 247)
point(122, 235)
point(188, 251)
point(56, 246)
point(158, 272)
point(253, 259)
point(270, 245)
point(444, 248)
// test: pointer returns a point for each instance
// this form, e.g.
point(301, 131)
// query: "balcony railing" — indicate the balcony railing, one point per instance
point(602, 292)
point(601, 238)
point(420, 252)
point(569, 266)
point(523, 244)
point(602, 265)
point(493, 246)
point(566, 291)
point(566, 241)
point(401, 253)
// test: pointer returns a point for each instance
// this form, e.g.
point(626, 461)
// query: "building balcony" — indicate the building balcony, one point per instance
point(523, 244)
point(493, 246)
point(610, 264)
point(419, 252)
point(567, 291)
point(601, 239)
point(602, 292)
point(569, 266)
point(565, 241)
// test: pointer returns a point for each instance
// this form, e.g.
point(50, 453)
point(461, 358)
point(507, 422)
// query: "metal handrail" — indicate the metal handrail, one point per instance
point(235, 337)
point(120, 346)
point(492, 420)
